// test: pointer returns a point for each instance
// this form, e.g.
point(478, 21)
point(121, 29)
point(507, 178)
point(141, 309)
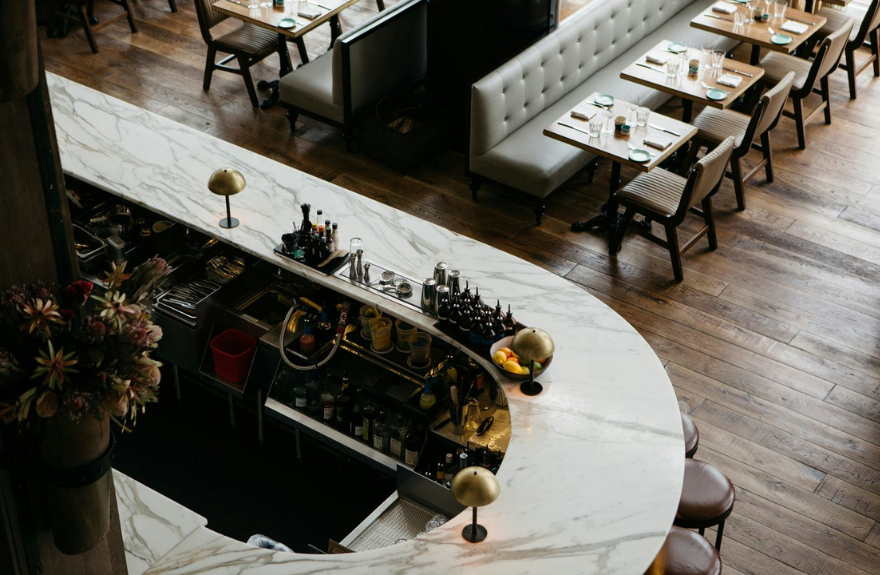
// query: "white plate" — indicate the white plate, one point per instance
point(640, 156)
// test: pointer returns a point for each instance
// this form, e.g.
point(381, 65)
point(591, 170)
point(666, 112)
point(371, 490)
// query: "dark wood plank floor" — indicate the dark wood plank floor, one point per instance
point(772, 342)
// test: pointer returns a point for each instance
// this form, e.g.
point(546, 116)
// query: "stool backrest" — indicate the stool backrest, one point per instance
point(208, 18)
point(705, 177)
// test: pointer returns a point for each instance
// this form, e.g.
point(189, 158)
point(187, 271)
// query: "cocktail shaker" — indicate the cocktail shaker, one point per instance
point(454, 282)
point(429, 295)
point(440, 273)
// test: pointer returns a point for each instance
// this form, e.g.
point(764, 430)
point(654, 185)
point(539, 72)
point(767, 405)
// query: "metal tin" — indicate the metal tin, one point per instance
point(429, 295)
point(454, 281)
point(440, 273)
point(442, 291)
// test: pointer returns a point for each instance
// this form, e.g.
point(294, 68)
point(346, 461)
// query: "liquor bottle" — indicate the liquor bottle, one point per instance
point(463, 461)
point(449, 467)
point(427, 400)
point(441, 471)
point(465, 323)
point(370, 413)
point(466, 295)
point(381, 435)
point(343, 407)
point(335, 236)
point(306, 225)
point(498, 312)
point(478, 378)
point(395, 446)
point(328, 230)
point(313, 408)
point(477, 301)
point(328, 401)
point(324, 329)
point(509, 323)
point(301, 397)
point(487, 338)
point(307, 340)
point(412, 447)
point(454, 314)
point(357, 416)
point(443, 310)
point(476, 330)
point(319, 217)
point(402, 431)
point(498, 327)
point(344, 309)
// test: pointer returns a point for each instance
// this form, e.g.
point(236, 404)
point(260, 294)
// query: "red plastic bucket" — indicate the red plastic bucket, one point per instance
point(233, 351)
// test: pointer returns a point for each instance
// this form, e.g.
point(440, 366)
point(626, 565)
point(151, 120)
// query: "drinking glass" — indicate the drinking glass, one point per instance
point(420, 350)
point(740, 17)
point(673, 67)
point(633, 99)
point(405, 333)
point(355, 244)
point(718, 59)
point(642, 115)
point(254, 4)
point(367, 314)
point(596, 125)
point(779, 8)
point(380, 329)
point(707, 46)
point(684, 56)
point(607, 114)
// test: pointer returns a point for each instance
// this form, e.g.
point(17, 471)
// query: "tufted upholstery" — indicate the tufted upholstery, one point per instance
point(512, 105)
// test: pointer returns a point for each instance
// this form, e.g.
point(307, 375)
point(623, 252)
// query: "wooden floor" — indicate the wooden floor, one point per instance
point(772, 341)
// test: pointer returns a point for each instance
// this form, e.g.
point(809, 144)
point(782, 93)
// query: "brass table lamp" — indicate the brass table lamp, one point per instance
point(532, 344)
point(227, 182)
point(475, 487)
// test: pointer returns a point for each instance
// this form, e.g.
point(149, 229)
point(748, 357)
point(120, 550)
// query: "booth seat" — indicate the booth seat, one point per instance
point(385, 53)
point(511, 106)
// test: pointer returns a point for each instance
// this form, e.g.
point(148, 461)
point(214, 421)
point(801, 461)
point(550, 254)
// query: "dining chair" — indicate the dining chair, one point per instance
point(247, 44)
point(714, 126)
point(865, 29)
point(82, 12)
point(666, 198)
point(807, 74)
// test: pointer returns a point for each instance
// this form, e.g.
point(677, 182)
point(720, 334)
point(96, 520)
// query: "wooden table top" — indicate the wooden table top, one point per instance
point(268, 16)
point(615, 147)
point(758, 33)
point(691, 87)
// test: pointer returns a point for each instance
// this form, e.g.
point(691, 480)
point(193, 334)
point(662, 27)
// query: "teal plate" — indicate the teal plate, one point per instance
point(286, 23)
point(604, 99)
point(640, 156)
point(716, 94)
point(780, 39)
point(677, 47)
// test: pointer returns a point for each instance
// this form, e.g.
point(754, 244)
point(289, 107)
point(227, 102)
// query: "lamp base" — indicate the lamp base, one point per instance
point(474, 533)
point(531, 388)
point(229, 223)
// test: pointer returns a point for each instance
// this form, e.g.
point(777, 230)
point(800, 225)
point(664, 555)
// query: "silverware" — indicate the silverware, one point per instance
point(705, 85)
point(320, 6)
point(239, 3)
point(631, 147)
point(771, 30)
point(717, 17)
point(650, 67)
point(597, 104)
point(802, 21)
point(662, 129)
point(735, 71)
point(570, 127)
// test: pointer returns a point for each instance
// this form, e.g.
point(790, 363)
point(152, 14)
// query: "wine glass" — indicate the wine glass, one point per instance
point(633, 99)
point(608, 114)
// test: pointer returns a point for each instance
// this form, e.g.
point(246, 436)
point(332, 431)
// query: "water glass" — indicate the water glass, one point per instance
point(642, 115)
point(673, 67)
point(707, 46)
point(718, 59)
point(779, 8)
point(355, 244)
point(405, 333)
point(420, 350)
point(740, 17)
point(254, 4)
point(380, 330)
point(596, 125)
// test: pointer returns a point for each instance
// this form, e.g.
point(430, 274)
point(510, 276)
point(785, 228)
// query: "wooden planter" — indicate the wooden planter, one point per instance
point(75, 468)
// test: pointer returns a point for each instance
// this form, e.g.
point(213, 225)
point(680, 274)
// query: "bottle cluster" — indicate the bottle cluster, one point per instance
point(473, 320)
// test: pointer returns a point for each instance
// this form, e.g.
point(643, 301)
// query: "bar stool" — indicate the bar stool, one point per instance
point(691, 435)
point(685, 553)
point(706, 499)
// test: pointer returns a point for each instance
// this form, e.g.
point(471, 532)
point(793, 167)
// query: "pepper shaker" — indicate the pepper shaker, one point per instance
point(352, 268)
point(360, 264)
point(367, 273)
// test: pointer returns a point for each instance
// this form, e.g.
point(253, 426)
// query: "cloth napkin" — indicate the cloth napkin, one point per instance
point(658, 141)
point(795, 27)
point(309, 12)
point(657, 58)
point(730, 80)
point(724, 8)
point(581, 115)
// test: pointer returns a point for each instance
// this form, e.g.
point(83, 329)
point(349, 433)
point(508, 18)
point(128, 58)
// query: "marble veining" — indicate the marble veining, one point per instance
point(594, 470)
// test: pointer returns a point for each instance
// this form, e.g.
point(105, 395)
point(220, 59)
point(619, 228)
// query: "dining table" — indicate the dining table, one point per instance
point(290, 27)
point(623, 150)
point(709, 86)
point(770, 34)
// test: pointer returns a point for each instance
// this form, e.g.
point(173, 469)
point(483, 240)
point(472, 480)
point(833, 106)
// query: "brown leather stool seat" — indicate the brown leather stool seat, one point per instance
point(691, 435)
point(685, 553)
point(706, 498)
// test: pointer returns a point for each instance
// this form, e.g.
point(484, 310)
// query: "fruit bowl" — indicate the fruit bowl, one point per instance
point(505, 342)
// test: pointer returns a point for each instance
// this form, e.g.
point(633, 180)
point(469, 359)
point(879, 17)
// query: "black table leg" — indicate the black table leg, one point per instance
point(286, 68)
point(687, 110)
point(301, 46)
point(756, 55)
point(608, 218)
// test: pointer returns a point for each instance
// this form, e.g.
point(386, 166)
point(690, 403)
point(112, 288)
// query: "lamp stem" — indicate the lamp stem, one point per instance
point(475, 519)
point(228, 212)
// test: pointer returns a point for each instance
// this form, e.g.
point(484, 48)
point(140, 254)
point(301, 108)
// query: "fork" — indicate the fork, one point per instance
point(631, 147)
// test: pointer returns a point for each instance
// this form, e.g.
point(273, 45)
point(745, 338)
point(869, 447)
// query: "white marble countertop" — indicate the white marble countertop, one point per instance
point(593, 474)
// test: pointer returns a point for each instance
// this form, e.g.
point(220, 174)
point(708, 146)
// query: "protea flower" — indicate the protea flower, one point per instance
point(115, 309)
point(40, 314)
point(55, 365)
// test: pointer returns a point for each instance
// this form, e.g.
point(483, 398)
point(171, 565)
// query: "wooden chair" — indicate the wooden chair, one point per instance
point(247, 44)
point(715, 126)
point(807, 74)
point(667, 198)
point(82, 12)
point(864, 29)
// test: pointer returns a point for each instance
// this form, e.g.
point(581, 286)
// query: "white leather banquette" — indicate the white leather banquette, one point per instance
point(511, 106)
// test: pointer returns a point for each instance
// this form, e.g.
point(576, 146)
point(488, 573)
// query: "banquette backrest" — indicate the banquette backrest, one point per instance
point(507, 98)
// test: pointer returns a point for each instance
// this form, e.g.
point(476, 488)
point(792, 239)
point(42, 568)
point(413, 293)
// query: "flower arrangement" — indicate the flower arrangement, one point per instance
point(68, 351)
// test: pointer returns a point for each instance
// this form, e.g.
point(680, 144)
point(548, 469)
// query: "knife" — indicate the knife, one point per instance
point(662, 129)
point(717, 17)
point(320, 6)
point(802, 21)
point(239, 3)
point(650, 67)
point(598, 105)
point(569, 126)
point(735, 71)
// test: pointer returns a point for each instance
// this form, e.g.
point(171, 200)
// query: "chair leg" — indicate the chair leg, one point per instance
point(768, 155)
point(84, 19)
point(248, 82)
point(292, 117)
point(875, 50)
point(799, 123)
point(381, 5)
point(674, 253)
point(709, 218)
point(348, 138)
point(131, 23)
point(826, 98)
point(738, 187)
point(592, 168)
point(474, 184)
point(617, 240)
point(851, 72)
point(539, 210)
point(209, 67)
point(691, 157)
point(173, 5)
point(719, 536)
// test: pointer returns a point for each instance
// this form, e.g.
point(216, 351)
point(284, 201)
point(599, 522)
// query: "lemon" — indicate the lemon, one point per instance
point(511, 367)
point(499, 357)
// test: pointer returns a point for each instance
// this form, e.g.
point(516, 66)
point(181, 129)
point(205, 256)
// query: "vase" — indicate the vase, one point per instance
point(75, 467)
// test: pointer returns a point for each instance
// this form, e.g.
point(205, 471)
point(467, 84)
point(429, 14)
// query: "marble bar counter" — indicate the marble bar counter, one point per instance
point(593, 473)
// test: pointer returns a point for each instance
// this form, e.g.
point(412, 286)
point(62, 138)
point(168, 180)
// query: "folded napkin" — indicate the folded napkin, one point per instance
point(657, 58)
point(581, 115)
point(309, 12)
point(730, 80)
point(724, 8)
point(795, 27)
point(658, 141)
